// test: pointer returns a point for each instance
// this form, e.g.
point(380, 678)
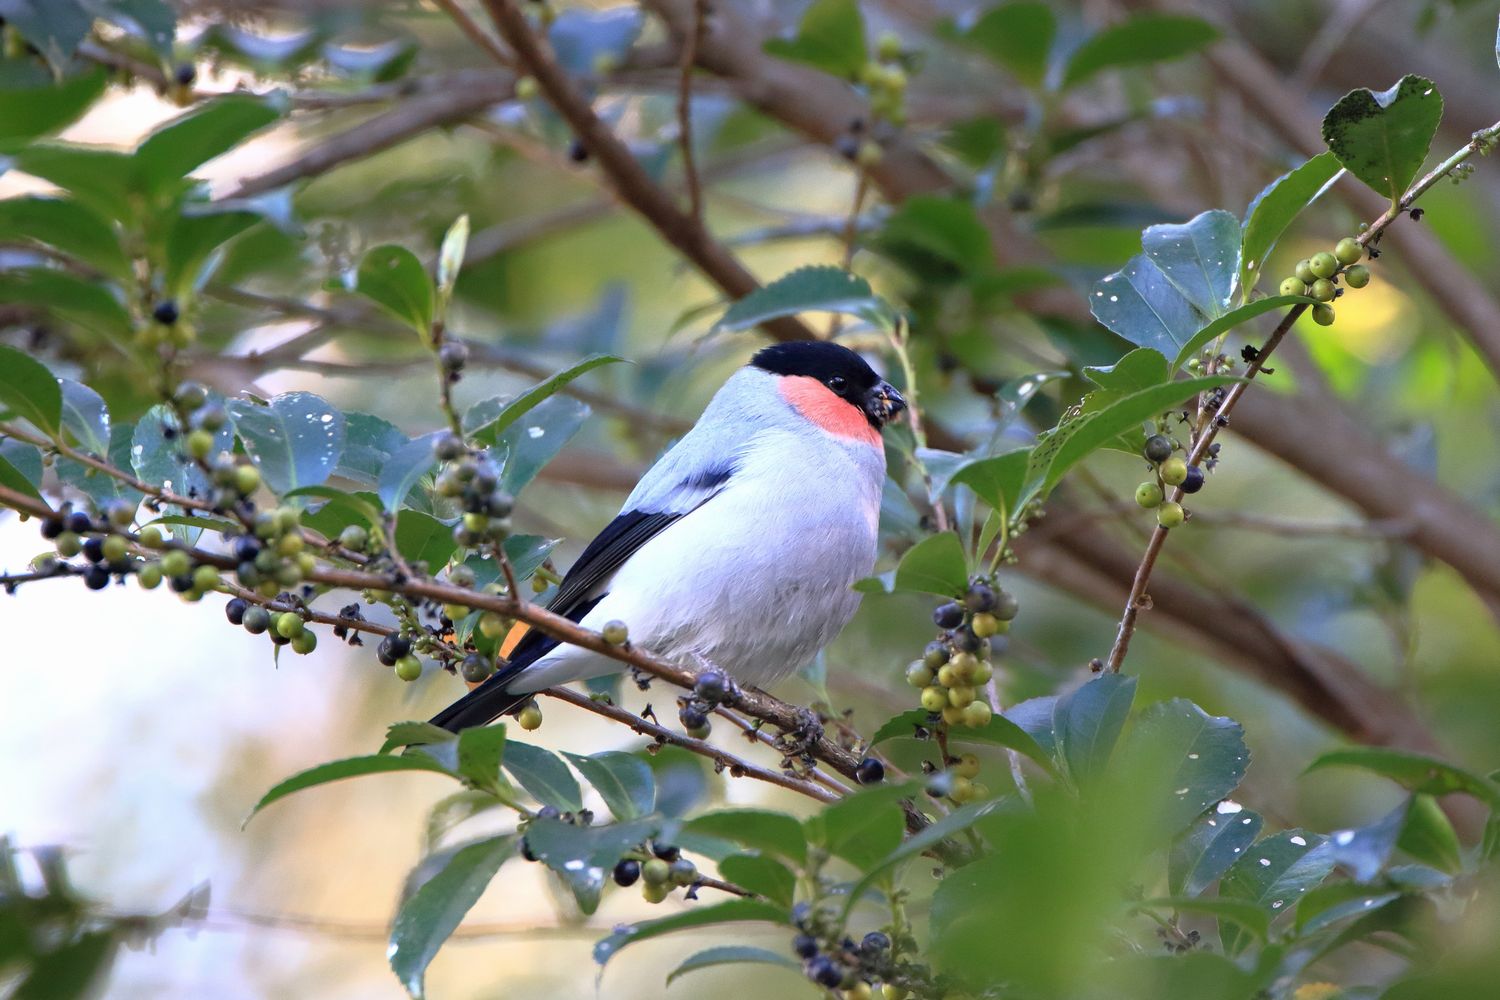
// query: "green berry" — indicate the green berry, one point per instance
point(1323, 265)
point(934, 699)
point(246, 479)
point(149, 575)
point(869, 153)
point(1357, 276)
point(1322, 314)
point(530, 718)
point(152, 537)
point(1158, 448)
point(289, 625)
point(1304, 271)
point(190, 395)
point(961, 697)
point(257, 620)
point(206, 577)
point(888, 48)
point(1006, 607)
point(1293, 286)
point(354, 538)
point(977, 714)
point(68, 545)
point(935, 655)
point(1170, 515)
point(305, 643)
point(919, 675)
point(1349, 251)
point(455, 612)
point(1149, 495)
point(176, 563)
point(475, 668)
point(615, 633)
point(684, 872)
point(291, 544)
point(1174, 471)
point(114, 548)
point(493, 626)
point(655, 893)
point(967, 766)
point(408, 668)
point(656, 872)
point(984, 625)
point(526, 88)
point(1323, 290)
point(120, 514)
point(200, 443)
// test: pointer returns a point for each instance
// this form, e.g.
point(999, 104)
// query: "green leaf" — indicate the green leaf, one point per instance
point(76, 968)
point(1207, 849)
point(1383, 138)
point(1197, 758)
point(730, 911)
point(901, 726)
point(480, 749)
point(1200, 258)
point(490, 430)
point(29, 390)
point(820, 288)
point(731, 954)
point(758, 829)
point(55, 27)
point(1018, 36)
point(1365, 851)
point(1328, 904)
point(997, 480)
point(536, 438)
point(355, 506)
point(1141, 369)
point(393, 278)
point(864, 827)
point(85, 417)
point(195, 234)
point(451, 258)
point(581, 37)
point(295, 441)
point(369, 442)
point(68, 226)
point(100, 178)
point(430, 915)
point(1413, 771)
point(1003, 732)
point(831, 37)
point(423, 538)
point(350, 767)
point(927, 227)
point(151, 20)
point(1088, 720)
point(585, 855)
point(761, 875)
point(1140, 304)
point(185, 143)
point(91, 307)
point(1428, 836)
point(954, 823)
point(935, 565)
point(1245, 914)
point(405, 468)
point(1275, 207)
point(1274, 874)
point(1232, 319)
point(21, 467)
point(623, 780)
point(409, 734)
point(544, 776)
point(47, 107)
point(1143, 39)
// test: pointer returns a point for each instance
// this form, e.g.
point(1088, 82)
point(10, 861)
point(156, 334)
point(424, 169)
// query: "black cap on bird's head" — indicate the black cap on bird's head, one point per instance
point(842, 371)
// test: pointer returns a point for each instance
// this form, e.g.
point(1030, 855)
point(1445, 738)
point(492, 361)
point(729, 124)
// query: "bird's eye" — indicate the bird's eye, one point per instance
point(838, 384)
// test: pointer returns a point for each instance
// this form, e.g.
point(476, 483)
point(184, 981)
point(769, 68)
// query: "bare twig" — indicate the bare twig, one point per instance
point(688, 60)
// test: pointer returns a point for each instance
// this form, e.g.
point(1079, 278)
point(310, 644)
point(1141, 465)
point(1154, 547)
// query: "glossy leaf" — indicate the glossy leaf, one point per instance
point(431, 914)
point(820, 288)
point(100, 178)
point(1141, 369)
point(585, 855)
point(1274, 874)
point(536, 438)
point(1366, 850)
point(1018, 35)
point(195, 234)
point(1200, 258)
point(861, 828)
point(1232, 319)
point(295, 441)
point(369, 442)
point(1413, 771)
point(761, 875)
point(340, 770)
point(85, 417)
point(758, 829)
point(935, 565)
point(480, 749)
point(731, 954)
point(157, 457)
point(1274, 209)
point(1329, 904)
point(831, 36)
point(491, 428)
point(187, 142)
point(1209, 848)
point(27, 112)
point(1140, 304)
point(1141, 40)
point(405, 468)
point(997, 480)
point(623, 780)
point(356, 506)
point(1197, 758)
point(1382, 138)
point(729, 911)
point(1244, 914)
point(544, 776)
point(1428, 836)
point(943, 828)
point(29, 390)
point(1088, 720)
point(393, 278)
point(20, 467)
point(423, 538)
point(91, 307)
point(69, 226)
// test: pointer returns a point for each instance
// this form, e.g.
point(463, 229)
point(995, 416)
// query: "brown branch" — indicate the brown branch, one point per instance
point(473, 32)
point(687, 63)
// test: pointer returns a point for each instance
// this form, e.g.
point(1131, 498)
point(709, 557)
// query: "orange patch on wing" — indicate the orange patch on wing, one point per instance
point(507, 645)
point(827, 410)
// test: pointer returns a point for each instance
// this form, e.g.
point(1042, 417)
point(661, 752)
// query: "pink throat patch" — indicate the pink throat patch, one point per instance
point(825, 409)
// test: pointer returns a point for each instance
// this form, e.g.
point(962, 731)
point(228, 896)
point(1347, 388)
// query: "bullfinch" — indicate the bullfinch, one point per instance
point(739, 547)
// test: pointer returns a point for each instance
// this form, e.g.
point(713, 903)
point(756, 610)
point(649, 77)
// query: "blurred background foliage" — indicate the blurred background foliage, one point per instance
point(139, 734)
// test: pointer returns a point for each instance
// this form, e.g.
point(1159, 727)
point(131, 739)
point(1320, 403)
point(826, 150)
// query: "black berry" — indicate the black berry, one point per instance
point(453, 355)
point(181, 584)
point(627, 872)
point(948, 615)
point(52, 527)
point(981, 597)
point(79, 523)
point(692, 718)
point(165, 313)
point(667, 852)
point(874, 943)
point(235, 610)
point(256, 620)
point(96, 578)
point(391, 649)
point(1158, 448)
point(1194, 481)
point(712, 686)
point(805, 945)
point(578, 152)
point(825, 971)
point(93, 549)
point(869, 771)
point(185, 74)
point(246, 548)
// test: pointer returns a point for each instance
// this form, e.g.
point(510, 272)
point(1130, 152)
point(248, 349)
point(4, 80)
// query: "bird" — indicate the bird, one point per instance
point(739, 548)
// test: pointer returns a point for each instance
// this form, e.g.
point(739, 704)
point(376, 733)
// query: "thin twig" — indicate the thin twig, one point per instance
point(688, 58)
point(474, 32)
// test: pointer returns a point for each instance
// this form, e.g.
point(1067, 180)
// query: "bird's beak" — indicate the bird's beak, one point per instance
point(882, 403)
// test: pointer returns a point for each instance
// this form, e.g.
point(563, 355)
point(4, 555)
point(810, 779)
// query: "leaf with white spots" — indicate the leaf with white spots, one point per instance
point(1275, 874)
point(584, 856)
point(1365, 850)
point(1139, 303)
point(295, 441)
point(1195, 759)
point(492, 427)
point(1208, 848)
point(1200, 258)
point(537, 437)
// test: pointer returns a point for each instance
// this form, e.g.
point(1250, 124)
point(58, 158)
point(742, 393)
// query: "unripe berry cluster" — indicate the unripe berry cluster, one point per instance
point(659, 868)
point(474, 481)
point(955, 666)
point(1317, 277)
point(1171, 470)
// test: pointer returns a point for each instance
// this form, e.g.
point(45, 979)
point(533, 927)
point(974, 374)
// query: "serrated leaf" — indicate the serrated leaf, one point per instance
point(1274, 874)
point(831, 37)
point(1383, 138)
point(1208, 848)
point(68, 226)
point(623, 780)
point(730, 911)
point(350, 767)
point(410, 734)
point(295, 441)
point(1232, 319)
point(584, 855)
point(490, 428)
point(1088, 720)
point(1142, 368)
point(1017, 35)
point(1277, 205)
point(820, 288)
point(863, 827)
point(759, 829)
point(393, 278)
point(730, 954)
point(997, 480)
point(1143, 39)
point(431, 914)
point(1197, 758)
point(935, 565)
point(1200, 258)
point(544, 776)
point(29, 390)
point(1412, 771)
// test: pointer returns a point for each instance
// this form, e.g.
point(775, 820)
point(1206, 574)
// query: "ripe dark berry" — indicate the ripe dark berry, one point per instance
point(805, 945)
point(627, 872)
point(1194, 481)
point(181, 584)
point(96, 578)
point(874, 943)
point(712, 686)
point(93, 549)
point(964, 640)
point(185, 74)
point(79, 523)
point(256, 620)
point(577, 151)
point(165, 313)
point(52, 527)
point(869, 771)
point(1158, 448)
point(245, 548)
point(235, 610)
point(391, 649)
point(475, 668)
point(949, 615)
point(448, 447)
point(453, 355)
point(1006, 606)
point(825, 971)
point(981, 597)
point(667, 852)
